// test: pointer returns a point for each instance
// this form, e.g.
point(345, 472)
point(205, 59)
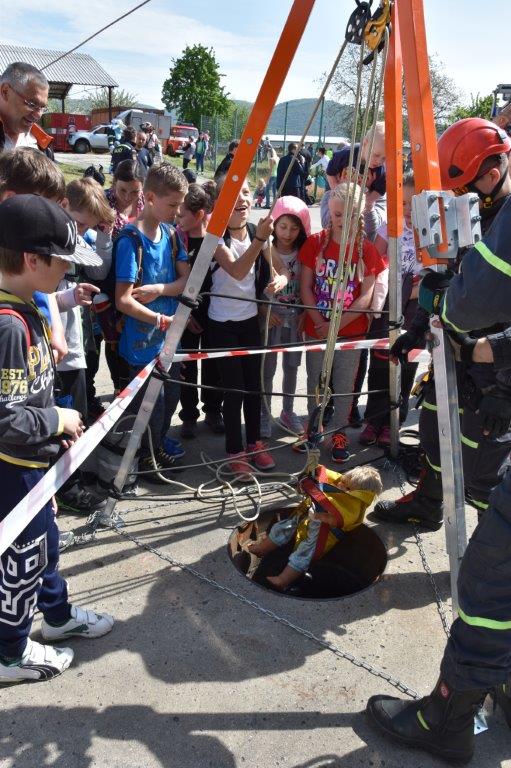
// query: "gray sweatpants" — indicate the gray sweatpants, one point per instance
point(344, 370)
point(290, 363)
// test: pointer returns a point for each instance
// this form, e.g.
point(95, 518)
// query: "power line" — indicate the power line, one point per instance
point(111, 24)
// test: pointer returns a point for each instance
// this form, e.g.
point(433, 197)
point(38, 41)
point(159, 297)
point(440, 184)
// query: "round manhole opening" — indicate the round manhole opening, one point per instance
point(355, 563)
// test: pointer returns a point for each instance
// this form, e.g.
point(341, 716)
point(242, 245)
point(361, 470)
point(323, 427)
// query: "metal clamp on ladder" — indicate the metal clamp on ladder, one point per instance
point(442, 225)
point(461, 221)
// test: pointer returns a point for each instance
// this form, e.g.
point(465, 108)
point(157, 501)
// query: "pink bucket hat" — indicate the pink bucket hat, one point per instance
point(293, 206)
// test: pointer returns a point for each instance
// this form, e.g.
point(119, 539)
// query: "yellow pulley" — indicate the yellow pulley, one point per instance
point(375, 27)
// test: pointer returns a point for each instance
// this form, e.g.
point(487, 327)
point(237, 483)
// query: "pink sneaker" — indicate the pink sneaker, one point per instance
point(239, 466)
point(368, 436)
point(263, 460)
point(384, 437)
point(292, 422)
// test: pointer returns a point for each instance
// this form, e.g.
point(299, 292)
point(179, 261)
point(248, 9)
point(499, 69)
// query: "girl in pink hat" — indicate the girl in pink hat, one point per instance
point(292, 226)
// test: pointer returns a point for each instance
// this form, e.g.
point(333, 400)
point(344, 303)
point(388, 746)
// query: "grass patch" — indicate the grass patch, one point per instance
point(72, 171)
point(263, 169)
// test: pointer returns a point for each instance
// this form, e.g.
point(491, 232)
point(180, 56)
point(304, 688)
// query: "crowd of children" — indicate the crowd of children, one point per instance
point(116, 283)
point(148, 229)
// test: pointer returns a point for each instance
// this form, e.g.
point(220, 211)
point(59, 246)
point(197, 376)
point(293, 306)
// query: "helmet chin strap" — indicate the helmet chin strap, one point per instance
point(488, 199)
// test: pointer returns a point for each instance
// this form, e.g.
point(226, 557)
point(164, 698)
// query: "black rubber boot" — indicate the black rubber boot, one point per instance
point(502, 698)
point(441, 723)
point(423, 506)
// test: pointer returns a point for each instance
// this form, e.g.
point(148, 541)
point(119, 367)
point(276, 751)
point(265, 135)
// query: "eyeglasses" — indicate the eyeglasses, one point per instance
point(30, 104)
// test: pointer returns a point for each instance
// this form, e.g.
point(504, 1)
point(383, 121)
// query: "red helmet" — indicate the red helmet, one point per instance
point(463, 147)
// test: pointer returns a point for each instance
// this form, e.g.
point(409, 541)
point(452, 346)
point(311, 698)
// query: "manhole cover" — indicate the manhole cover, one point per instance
point(356, 562)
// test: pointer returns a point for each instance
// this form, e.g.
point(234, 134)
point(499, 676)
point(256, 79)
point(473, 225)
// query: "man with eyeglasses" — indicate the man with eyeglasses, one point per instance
point(23, 99)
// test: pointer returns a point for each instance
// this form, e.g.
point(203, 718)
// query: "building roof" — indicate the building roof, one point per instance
point(74, 69)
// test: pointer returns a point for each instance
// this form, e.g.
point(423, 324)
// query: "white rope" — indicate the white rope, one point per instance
point(343, 267)
point(225, 490)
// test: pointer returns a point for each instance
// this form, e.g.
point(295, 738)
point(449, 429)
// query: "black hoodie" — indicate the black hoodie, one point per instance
point(29, 420)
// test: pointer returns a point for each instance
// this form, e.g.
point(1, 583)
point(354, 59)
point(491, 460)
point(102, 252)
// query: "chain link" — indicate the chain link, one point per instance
point(442, 611)
point(393, 681)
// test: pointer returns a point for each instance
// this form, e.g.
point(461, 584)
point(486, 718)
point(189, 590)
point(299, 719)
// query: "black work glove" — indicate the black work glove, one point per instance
point(495, 411)
point(463, 345)
point(432, 289)
point(400, 348)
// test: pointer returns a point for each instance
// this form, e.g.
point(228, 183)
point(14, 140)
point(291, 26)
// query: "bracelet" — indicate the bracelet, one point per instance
point(261, 239)
point(157, 320)
point(164, 323)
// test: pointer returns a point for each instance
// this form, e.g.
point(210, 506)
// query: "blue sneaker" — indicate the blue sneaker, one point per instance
point(171, 449)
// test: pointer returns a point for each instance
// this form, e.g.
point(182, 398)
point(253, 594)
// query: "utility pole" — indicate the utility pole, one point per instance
point(285, 125)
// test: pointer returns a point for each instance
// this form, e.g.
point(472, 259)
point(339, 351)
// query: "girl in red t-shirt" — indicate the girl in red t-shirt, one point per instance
point(319, 257)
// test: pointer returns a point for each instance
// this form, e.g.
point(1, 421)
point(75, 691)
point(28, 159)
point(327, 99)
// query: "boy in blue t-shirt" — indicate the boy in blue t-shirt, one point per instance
point(151, 268)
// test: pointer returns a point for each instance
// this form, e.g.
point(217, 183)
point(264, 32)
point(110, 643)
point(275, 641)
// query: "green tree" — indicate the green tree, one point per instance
point(444, 90)
point(232, 125)
point(120, 98)
point(97, 100)
point(480, 106)
point(193, 87)
point(73, 106)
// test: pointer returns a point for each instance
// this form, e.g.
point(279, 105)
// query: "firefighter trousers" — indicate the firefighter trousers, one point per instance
point(483, 456)
point(478, 652)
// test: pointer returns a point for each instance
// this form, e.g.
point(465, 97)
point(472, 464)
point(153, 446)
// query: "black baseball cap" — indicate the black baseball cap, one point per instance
point(32, 224)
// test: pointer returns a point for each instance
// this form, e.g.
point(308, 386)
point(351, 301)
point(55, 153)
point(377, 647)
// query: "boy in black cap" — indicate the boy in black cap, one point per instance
point(38, 239)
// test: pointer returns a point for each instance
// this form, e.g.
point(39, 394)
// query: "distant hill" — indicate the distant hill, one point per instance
point(335, 118)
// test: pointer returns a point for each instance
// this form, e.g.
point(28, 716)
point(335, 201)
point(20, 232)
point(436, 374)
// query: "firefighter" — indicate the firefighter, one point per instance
point(477, 658)
point(473, 156)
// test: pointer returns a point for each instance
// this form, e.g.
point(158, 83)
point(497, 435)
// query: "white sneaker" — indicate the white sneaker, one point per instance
point(83, 623)
point(292, 422)
point(39, 662)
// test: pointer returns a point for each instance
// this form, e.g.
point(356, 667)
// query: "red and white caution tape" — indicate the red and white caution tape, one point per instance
point(19, 517)
point(414, 356)
point(25, 511)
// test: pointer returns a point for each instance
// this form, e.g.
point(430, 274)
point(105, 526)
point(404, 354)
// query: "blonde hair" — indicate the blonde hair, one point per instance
point(378, 130)
point(87, 195)
point(343, 192)
point(363, 479)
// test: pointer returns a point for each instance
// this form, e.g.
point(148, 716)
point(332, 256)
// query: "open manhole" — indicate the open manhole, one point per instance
point(356, 562)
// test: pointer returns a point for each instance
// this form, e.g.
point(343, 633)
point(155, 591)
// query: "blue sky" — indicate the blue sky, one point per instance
point(137, 52)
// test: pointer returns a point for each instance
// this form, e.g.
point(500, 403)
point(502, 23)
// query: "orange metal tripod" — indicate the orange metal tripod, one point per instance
point(408, 55)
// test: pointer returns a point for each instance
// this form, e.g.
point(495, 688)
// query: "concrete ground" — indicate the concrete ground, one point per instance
point(204, 668)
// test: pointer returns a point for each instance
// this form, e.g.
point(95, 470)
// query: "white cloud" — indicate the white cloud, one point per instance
point(137, 51)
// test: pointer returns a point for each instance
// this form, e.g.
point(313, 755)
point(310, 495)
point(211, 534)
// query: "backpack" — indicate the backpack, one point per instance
point(96, 173)
point(262, 268)
point(106, 458)
point(9, 311)
point(107, 285)
point(111, 316)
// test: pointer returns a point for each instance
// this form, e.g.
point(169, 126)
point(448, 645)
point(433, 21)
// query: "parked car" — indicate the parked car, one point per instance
point(87, 141)
point(179, 136)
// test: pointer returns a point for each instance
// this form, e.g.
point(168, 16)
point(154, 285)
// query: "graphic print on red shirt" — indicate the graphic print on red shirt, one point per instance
point(323, 260)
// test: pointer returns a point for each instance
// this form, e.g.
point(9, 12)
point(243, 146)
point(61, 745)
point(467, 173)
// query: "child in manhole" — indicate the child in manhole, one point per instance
point(333, 504)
